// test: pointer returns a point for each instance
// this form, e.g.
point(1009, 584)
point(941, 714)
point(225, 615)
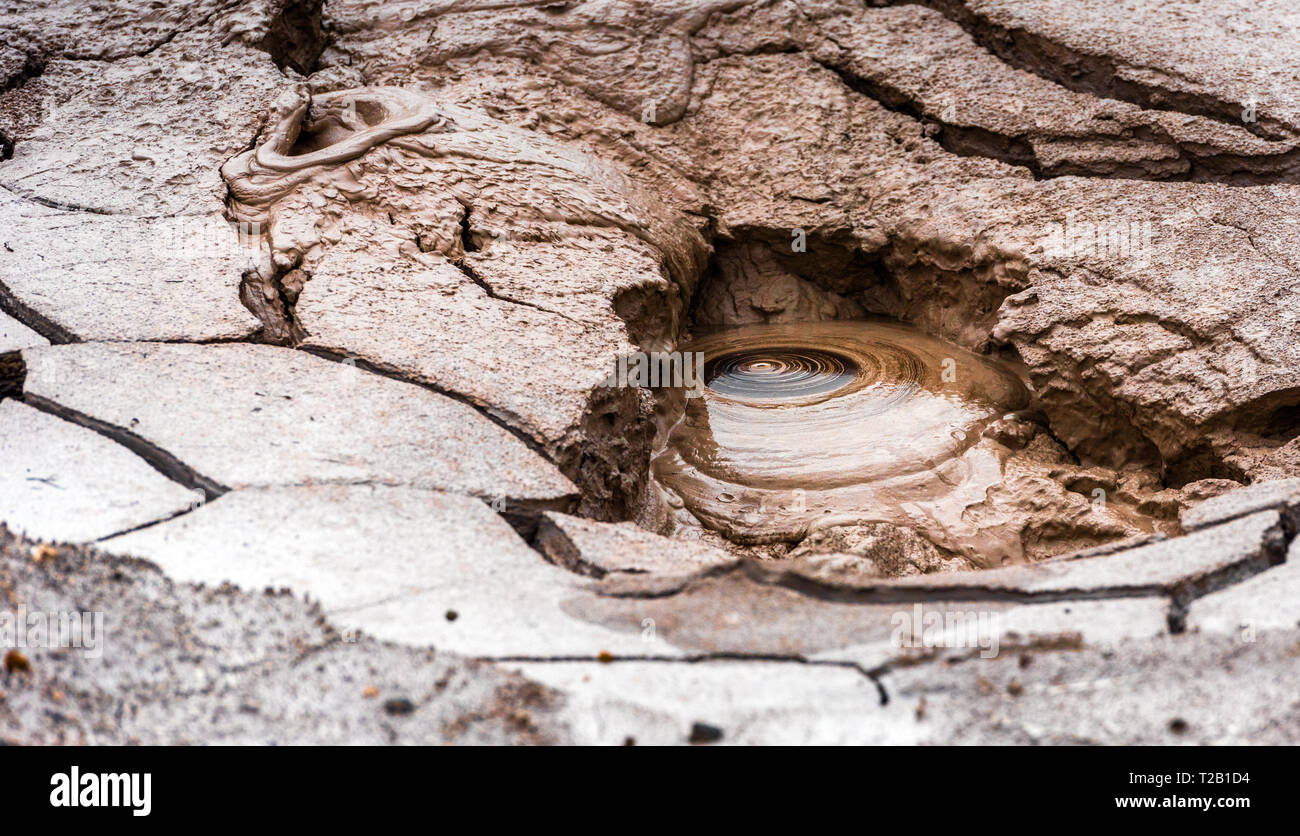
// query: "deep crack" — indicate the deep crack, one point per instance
point(156, 457)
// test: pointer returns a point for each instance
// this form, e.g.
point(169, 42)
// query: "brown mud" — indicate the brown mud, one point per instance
point(805, 427)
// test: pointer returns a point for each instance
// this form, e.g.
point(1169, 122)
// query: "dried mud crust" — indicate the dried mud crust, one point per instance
point(475, 171)
point(464, 214)
point(956, 289)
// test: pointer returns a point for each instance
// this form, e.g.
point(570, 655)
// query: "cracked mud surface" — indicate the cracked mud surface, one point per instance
point(322, 297)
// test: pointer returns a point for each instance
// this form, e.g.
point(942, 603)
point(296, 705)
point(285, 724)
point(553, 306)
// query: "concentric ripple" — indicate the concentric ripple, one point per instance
point(835, 422)
point(778, 374)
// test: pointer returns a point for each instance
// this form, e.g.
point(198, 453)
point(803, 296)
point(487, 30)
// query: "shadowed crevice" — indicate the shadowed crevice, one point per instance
point(46, 327)
point(13, 373)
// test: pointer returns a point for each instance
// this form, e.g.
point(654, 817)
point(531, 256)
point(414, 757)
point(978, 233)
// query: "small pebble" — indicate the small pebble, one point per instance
point(704, 733)
point(399, 706)
point(15, 661)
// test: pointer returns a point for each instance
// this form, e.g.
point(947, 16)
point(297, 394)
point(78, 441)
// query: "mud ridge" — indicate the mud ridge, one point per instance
point(972, 141)
point(1093, 74)
point(964, 141)
point(1272, 552)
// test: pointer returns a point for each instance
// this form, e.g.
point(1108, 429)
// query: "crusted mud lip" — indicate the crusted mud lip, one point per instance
point(890, 441)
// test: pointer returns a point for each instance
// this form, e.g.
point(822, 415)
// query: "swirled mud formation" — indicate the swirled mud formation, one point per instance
point(359, 148)
point(822, 424)
point(400, 225)
point(342, 127)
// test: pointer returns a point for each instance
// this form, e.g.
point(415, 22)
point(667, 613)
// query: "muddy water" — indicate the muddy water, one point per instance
point(831, 423)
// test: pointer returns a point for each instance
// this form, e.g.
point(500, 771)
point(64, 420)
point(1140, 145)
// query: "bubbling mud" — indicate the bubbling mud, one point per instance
point(817, 424)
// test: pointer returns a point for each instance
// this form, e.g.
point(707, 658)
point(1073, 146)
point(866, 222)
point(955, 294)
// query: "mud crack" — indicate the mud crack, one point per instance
point(1097, 75)
point(156, 457)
